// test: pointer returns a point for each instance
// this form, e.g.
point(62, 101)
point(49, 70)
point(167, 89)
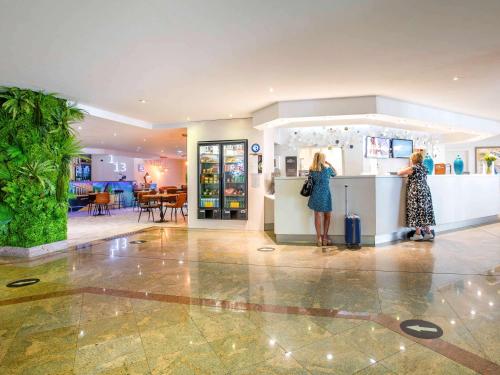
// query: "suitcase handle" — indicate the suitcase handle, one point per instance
point(345, 186)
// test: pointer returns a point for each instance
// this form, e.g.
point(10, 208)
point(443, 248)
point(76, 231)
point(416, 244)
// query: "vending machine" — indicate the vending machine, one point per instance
point(223, 180)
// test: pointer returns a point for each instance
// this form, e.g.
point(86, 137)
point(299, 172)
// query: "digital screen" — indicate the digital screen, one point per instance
point(402, 148)
point(82, 172)
point(377, 147)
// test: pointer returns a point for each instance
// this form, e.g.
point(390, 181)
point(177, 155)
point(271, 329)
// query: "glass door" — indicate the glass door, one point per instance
point(234, 181)
point(209, 173)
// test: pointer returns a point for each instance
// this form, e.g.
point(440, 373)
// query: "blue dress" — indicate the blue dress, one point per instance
point(321, 198)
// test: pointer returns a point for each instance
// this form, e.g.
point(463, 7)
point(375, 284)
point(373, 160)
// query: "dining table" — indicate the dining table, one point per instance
point(162, 198)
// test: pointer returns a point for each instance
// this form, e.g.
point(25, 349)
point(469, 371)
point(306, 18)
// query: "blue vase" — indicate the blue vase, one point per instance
point(428, 164)
point(458, 165)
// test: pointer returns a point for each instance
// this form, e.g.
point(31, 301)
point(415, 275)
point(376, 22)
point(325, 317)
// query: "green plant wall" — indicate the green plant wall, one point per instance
point(36, 147)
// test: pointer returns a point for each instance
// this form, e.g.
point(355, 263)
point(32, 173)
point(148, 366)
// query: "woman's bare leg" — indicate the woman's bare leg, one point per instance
point(418, 230)
point(317, 224)
point(326, 225)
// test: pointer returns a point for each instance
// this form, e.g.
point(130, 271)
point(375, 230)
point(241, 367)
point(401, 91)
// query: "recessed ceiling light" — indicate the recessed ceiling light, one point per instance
point(271, 89)
point(162, 151)
point(144, 139)
point(456, 78)
point(79, 128)
point(230, 115)
point(188, 118)
point(114, 134)
point(143, 101)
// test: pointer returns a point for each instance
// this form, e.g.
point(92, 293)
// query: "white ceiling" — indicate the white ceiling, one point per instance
point(212, 59)
point(115, 137)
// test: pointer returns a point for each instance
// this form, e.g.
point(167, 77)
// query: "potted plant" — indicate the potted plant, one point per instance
point(489, 159)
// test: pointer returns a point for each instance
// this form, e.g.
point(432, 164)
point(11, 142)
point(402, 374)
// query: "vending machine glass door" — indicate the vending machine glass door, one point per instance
point(209, 168)
point(234, 181)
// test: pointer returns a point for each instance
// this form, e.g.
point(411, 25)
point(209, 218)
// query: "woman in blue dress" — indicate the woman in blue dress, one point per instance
point(321, 199)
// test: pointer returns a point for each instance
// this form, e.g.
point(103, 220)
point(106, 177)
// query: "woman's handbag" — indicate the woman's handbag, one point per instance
point(307, 188)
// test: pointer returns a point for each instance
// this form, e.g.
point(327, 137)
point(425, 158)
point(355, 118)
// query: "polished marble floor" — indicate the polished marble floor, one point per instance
point(83, 227)
point(208, 302)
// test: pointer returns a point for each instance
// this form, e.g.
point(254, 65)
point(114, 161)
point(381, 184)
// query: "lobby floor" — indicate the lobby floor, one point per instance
point(209, 302)
point(83, 227)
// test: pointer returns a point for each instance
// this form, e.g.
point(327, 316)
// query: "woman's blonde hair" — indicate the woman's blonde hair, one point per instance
point(318, 162)
point(417, 157)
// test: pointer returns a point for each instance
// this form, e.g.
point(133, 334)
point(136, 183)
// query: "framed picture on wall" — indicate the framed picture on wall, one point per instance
point(481, 152)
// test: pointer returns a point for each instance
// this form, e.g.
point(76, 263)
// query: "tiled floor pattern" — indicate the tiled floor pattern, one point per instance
point(157, 307)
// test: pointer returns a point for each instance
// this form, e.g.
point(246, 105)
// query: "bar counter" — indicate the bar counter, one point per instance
point(459, 201)
point(81, 190)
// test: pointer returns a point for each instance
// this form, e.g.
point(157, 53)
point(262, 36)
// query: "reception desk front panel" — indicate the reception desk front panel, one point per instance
point(459, 201)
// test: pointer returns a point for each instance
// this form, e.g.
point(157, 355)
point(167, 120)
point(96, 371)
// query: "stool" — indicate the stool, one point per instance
point(118, 198)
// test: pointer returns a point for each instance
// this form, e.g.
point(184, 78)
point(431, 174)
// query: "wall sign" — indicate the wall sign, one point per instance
point(255, 148)
point(119, 167)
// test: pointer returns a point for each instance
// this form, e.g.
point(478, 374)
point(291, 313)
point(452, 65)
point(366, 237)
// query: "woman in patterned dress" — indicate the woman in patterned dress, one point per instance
point(419, 211)
point(321, 199)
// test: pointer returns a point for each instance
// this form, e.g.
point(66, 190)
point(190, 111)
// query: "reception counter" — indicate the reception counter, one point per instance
point(459, 201)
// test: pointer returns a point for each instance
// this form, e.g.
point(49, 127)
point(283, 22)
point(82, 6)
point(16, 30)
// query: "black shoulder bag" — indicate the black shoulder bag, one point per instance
point(307, 188)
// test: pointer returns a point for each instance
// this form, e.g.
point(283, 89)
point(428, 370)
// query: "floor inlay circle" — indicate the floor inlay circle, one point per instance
point(266, 248)
point(421, 329)
point(22, 282)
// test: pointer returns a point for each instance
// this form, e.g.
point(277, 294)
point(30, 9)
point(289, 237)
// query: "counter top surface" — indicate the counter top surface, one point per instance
point(392, 176)
point(339, 177)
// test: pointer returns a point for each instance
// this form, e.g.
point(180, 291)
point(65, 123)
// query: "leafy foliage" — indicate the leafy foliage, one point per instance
point(36, 148)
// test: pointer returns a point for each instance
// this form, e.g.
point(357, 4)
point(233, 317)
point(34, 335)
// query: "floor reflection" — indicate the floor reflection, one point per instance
point(199, 301)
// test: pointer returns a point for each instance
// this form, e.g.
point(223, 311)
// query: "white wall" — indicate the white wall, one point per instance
point(105, 171)
point(468, 153)
point(175, 175)
point(225, 130)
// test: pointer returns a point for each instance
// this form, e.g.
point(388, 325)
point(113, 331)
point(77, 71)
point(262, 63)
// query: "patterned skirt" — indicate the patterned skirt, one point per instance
point(419, 210)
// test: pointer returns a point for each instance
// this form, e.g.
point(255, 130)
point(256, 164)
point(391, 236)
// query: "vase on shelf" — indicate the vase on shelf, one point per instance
point(428, 164)
point(489, 169)
point(458, 165)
